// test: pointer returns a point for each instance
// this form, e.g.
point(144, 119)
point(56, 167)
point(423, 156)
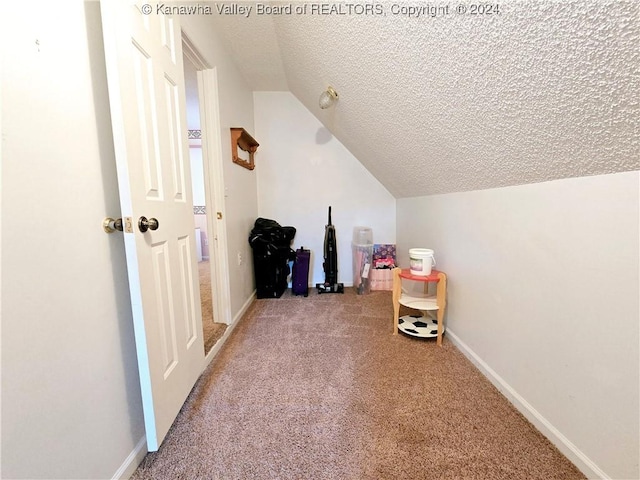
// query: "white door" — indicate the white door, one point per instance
point(143, 55)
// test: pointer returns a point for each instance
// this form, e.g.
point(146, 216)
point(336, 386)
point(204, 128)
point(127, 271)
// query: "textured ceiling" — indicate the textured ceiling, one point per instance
point(544, 90)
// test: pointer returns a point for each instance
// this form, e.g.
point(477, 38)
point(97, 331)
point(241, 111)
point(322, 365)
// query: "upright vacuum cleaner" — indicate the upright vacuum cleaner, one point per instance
point(330, 264)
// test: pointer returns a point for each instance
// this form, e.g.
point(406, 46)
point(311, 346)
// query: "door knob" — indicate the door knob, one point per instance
point(110, 225)
point(150, 224)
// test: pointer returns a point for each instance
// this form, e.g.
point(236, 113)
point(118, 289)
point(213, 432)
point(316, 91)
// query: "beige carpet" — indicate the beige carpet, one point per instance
point(212, 330)
point(318, 388)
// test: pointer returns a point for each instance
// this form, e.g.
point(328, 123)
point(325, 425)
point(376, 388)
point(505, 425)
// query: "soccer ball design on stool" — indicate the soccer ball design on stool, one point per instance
point(419, 326)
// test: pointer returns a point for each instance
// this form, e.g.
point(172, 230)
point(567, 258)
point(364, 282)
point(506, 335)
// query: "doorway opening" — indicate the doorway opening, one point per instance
point(212, 330)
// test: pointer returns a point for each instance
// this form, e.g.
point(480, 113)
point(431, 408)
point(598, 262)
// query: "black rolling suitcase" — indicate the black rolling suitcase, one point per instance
point(300, 275)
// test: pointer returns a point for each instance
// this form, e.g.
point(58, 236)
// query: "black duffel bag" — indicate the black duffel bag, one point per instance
point(268, 236)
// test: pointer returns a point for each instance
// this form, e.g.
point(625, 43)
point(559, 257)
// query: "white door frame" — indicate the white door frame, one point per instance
point(214, 181)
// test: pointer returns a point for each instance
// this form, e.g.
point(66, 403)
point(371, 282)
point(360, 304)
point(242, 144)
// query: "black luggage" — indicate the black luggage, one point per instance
point(300, 276)
point(271, 244)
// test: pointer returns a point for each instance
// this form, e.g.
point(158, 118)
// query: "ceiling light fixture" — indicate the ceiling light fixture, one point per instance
point(328, 98)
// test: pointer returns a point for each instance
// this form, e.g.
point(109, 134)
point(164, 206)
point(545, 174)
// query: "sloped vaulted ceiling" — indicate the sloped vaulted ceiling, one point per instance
point(543, 90)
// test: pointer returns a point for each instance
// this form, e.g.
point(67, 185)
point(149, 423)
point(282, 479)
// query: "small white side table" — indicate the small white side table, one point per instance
point(424, 326)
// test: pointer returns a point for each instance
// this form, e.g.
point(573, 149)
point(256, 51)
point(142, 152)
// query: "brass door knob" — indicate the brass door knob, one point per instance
point(150, 224)
point(110, 225)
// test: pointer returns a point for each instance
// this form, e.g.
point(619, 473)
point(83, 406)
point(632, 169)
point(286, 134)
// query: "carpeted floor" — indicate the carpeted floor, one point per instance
point(212, 330)
point(318, 388)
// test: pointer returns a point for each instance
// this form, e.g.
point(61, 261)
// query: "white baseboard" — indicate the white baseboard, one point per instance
point(562, 443)
point(216, 348)
point(132, 461)
point(244, 308)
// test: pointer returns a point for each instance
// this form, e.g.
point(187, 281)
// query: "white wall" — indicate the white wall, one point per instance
point(197, 175)
point(543, 291)
point(71, 404)
point(302, 170)
point(241, 200)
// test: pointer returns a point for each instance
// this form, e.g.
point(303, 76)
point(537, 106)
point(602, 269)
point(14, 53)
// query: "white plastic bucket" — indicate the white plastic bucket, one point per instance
point(421, 260)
